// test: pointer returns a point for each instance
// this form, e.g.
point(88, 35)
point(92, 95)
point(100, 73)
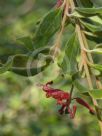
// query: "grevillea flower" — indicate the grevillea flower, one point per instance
point(57, 94)
point(64, 99)
point(85, 104)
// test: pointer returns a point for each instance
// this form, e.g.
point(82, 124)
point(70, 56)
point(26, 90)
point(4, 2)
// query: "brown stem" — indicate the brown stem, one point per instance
point(58, 39)
point(71, 91)
point(98, 83)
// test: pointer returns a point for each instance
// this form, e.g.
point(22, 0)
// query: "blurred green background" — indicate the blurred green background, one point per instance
point(24, 109)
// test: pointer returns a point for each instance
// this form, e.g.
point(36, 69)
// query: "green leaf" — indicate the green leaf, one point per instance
point(97, 38)
point(89, 11)
point(5, 67)
point(96, 19)
point(96, 66)
point(26, 42)
point(95, 72)
point(26, 65)
point(69, 64)
point(92, 26)
point(97, 3)
point(80, 87)
point(84, 3)
point(77, 14)
point(29, 69)
point(96, 50)
point(47, 28)
point(96, 93)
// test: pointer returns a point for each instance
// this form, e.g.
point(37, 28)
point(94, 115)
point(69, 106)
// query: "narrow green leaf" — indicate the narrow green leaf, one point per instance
point(93, 27)
point(96, 50)
point(26, 42)
point(97, 3)
point(69, 64)
point(96, 19)
point(89, 11)
point(84, 3)
point(80, 87)
point(47, 28)
point(95, 72)
point(77, 14)
point(96, 66)
point(96, 93)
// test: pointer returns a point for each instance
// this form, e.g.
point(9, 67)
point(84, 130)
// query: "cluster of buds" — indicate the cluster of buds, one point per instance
point(64, 99)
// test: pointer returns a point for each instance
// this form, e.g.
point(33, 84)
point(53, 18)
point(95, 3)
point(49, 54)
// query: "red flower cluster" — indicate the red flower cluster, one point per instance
point(64, 99)
point(59, 3)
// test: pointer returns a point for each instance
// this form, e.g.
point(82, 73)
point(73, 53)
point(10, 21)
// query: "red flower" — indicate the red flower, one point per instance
point(62, 109)
point(64, 99)
point(59, 3)
point(85, 104)
point(55, 93)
